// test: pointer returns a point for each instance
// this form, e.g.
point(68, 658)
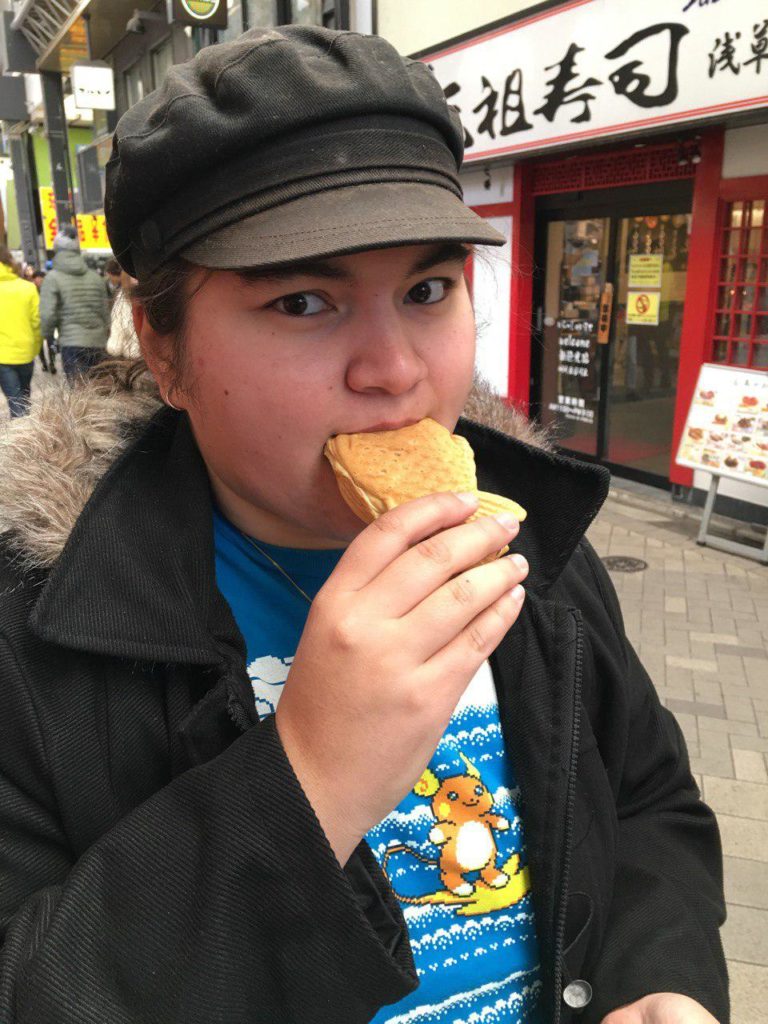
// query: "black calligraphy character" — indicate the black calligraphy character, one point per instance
point(449, 92)
point(629, 82)
point(560, 95)
point(490, 102)
point(513, 105)
point(724, 61)
point(759, 47)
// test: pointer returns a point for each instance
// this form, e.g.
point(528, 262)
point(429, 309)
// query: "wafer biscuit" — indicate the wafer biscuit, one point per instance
point(379, 470)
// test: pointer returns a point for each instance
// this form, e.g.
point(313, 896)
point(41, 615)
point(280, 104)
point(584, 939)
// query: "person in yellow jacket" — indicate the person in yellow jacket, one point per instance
point(20, 337)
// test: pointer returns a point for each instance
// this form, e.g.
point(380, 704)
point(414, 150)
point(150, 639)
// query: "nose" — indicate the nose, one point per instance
point(386, 361)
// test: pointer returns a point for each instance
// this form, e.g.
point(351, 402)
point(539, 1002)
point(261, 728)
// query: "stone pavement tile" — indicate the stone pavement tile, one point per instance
point(756, 671)
point(714, 744)
point(741, 799)
point(744, 652)
point(759, 743)
point(707, 692)
point(746, 882)
point(727, 639)
point(745, 935)
point(676, 645)
point(694, 664)
point(676, 604)
point(743, 837)
point(723, 725)
point(693, 707)
point(739, 709)
point(731, 665)
point(719, 765)
point(749, 985)
point(750, 766)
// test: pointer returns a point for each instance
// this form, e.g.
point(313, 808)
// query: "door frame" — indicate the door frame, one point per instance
point(657, 198)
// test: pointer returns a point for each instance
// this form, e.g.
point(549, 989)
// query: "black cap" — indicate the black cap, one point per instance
point(285, 144)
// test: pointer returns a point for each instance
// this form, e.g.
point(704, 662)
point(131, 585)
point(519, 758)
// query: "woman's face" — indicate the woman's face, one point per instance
point(279, 364)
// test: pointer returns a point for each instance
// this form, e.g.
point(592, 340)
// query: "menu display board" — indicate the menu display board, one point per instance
point(726, 432)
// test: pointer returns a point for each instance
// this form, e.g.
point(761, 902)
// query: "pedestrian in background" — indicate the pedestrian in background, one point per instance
point(20, 338)
point(123, 342)
point(48, 350)
point(112, 273)
point(73, 300)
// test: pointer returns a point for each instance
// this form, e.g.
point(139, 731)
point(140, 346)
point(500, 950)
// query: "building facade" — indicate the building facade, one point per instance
point(623, 150)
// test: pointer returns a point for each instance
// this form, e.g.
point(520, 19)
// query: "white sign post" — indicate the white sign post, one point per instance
point(591, 69)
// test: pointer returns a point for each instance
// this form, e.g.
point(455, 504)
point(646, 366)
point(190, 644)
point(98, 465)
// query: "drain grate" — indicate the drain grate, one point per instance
point(623, 563)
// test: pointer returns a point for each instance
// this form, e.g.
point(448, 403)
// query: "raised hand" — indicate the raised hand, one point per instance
point(391, 643)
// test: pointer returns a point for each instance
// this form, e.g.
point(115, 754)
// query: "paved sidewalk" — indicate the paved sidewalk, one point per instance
point(699, 620)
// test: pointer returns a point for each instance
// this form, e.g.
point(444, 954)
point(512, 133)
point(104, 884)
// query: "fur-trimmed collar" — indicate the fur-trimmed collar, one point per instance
point(51, 460)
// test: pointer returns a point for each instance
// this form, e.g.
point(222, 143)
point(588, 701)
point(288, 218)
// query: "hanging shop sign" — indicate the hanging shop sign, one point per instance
point(91, 228)
point(726, 432)
point(594, 68)
point(93, 86)
point(202, 13)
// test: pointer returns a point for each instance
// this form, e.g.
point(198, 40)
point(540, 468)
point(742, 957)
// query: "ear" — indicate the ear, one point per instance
point(428, 784)
point(155, 349)
point(471, 769)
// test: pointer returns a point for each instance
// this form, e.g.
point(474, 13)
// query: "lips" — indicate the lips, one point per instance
point(385, 425)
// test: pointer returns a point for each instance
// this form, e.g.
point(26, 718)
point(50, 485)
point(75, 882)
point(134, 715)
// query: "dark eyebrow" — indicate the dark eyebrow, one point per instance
point(301, 268)
point(443, 252)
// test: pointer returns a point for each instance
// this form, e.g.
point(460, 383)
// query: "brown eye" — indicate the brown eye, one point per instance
point(300, 304)
point(427, 292)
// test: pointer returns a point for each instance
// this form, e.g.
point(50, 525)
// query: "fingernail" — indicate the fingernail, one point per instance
point(520, 562)
point(507, 521)
point(517, 593)
point(468, 497)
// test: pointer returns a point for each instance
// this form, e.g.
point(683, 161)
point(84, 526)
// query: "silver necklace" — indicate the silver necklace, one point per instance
point(279, 568)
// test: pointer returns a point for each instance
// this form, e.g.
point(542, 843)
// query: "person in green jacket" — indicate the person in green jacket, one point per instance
point(74, 301)
point(20, 337)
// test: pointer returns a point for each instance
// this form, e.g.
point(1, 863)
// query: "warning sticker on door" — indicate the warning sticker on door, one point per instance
point(645, 270)
point(643, 308)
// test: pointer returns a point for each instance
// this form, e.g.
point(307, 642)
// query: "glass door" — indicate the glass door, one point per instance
point(574, 280)
point(608, 305)
point(650, 272)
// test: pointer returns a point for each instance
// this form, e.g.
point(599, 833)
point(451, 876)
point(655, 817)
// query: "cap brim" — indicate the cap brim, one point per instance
point(341, 221)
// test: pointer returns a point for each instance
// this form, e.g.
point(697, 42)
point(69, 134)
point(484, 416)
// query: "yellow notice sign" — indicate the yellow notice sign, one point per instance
point(645, 271)
point(91, 228)
point(48, 211)
point(643, 308)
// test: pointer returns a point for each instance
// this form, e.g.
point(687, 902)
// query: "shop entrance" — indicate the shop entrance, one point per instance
point(608, 297)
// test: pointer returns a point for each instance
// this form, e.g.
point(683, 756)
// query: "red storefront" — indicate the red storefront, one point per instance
point(638, 244)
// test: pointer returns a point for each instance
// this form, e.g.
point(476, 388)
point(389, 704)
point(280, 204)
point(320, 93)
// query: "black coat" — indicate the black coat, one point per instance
point(158, 859)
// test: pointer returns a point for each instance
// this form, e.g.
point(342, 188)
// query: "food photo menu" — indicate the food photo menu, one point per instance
point(726, 432)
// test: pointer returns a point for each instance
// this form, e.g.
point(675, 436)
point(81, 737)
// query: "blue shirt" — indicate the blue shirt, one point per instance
point(453, 849)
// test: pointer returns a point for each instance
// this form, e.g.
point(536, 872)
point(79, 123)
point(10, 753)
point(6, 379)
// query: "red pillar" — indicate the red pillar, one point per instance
point(700, 288)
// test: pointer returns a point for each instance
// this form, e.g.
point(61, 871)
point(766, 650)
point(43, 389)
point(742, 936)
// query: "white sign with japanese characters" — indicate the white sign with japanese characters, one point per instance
point(594, 68)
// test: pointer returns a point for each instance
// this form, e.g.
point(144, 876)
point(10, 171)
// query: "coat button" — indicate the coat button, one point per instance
point(577, 994)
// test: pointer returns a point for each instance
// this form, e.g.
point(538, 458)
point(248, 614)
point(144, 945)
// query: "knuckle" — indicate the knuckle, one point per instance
point(462, 590)
point(476, 638)
point(390, 523)
point(434, 549)
point(343, 634)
